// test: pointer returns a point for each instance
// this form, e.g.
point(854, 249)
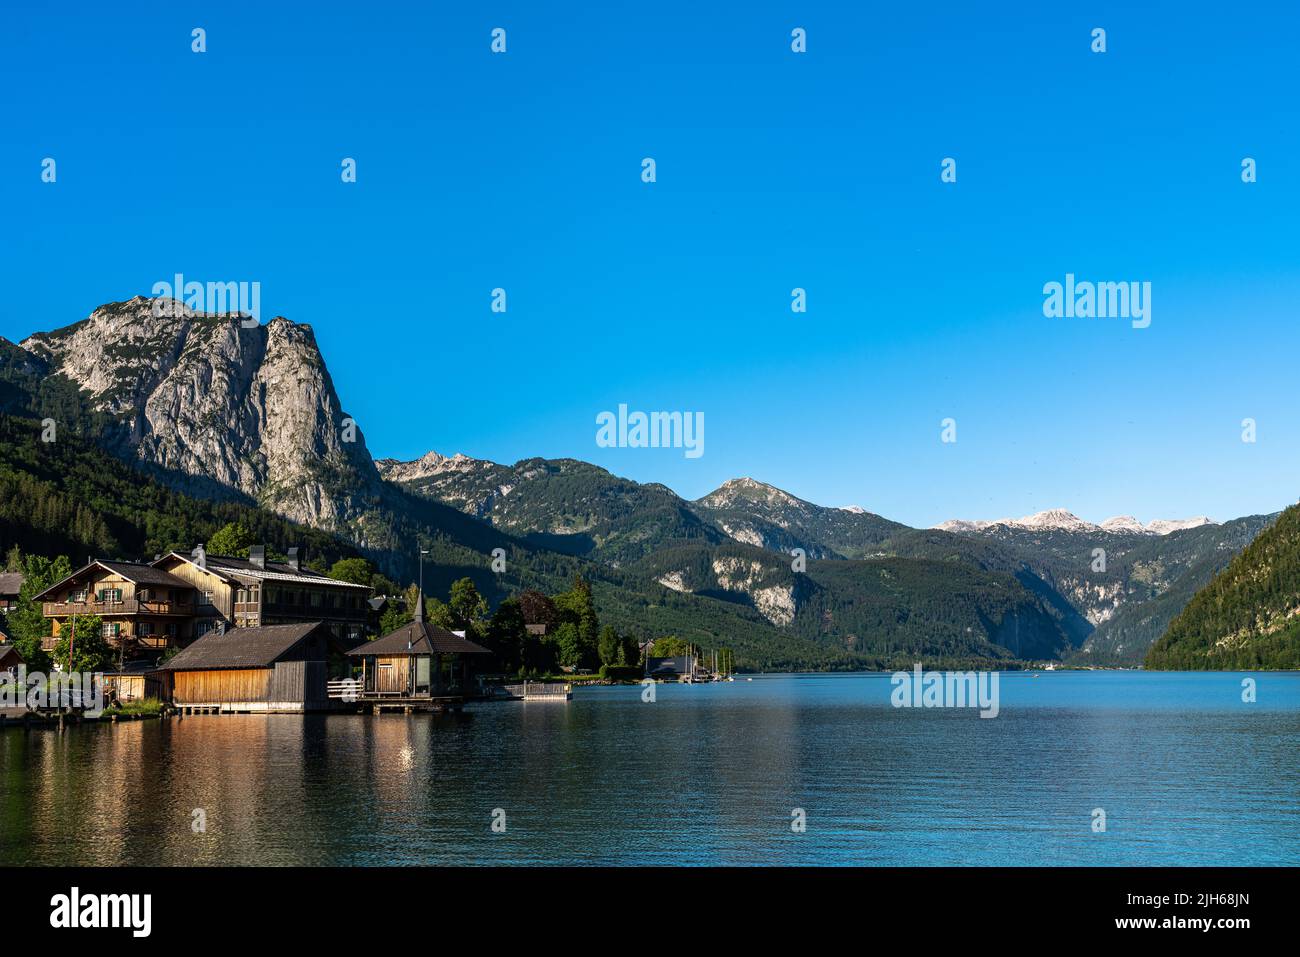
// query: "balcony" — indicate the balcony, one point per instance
point(110, 609)
point(152, 642)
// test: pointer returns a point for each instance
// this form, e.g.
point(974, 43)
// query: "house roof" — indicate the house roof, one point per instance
point(241, 648)
point(420, 638)
point(229, 566)
point(138, 572)
point(10, 582)
point(9, 652)
point(679, 664)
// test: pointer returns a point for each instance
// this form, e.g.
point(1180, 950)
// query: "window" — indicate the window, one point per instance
point(315, 599)
point(109, 595)
point(110, 629)
point(144, 628)
point(79, 594)
point(205, 598)
point(202, 628)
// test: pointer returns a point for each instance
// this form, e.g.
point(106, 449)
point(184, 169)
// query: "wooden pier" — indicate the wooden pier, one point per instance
point(539, 691)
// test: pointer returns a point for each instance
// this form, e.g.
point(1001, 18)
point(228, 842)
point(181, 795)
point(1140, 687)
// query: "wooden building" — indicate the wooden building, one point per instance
point(10, 585)
point(143, 609)
point(136, 682)
point(252, 592)
point(270, 668)
point(419, 665)
point(10, 659)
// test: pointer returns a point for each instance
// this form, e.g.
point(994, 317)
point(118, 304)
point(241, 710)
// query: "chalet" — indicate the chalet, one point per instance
point(268, 668)
point(143, 609)
point(252, 592)
point(10, 584)
point(670, 668)
point(10, 659)
point(418, 665)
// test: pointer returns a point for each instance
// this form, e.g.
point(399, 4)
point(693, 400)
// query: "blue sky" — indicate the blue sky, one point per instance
point(775, 170)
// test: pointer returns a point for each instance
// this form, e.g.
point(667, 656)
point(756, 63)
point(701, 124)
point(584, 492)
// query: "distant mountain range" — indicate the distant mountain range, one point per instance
point(249, 416)
point(1059, 518)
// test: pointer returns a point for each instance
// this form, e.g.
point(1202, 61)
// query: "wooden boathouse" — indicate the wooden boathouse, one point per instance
point(268, 669)
point(418, 667)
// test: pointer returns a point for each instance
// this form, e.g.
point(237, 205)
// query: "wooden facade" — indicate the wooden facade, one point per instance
point(254, 592)
point(278, 668)
point(141, 608)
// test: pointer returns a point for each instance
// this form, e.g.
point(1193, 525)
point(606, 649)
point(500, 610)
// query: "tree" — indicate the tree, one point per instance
point(14, 560)
point(358, 571)
point(90, 650)
point(609, 646)
point(27, 626)
point(668, 647)
point(467, 606)
point(507, 635)
point(576, 607)
point(232, 540)
point(568, 645)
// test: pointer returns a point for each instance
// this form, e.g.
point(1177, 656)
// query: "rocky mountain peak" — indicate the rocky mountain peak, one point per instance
point(252, 409)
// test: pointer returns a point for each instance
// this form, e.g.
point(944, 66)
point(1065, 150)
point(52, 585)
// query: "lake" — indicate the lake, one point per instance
point(1185, 772)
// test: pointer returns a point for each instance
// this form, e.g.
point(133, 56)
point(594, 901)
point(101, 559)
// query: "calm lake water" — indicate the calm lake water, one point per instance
point(709, 774)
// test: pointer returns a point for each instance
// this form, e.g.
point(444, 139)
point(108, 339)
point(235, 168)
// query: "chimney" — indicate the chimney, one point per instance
point(257, 556)
point(293, 559)
point(200, 556)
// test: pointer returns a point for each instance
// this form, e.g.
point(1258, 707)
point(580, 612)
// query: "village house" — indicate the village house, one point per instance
point(10, 659)
point(10, 584)
point(142, 609)
point(253, 591)
point(420, 665)
point(268, 668)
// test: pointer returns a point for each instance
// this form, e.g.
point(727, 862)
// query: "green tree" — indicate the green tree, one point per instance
point(468, 607)
point(507, 635)
point(577, 608)
point(232, 539)
point(27, 626)
point(358, 571)
point(90, 649)
point(609, 646)
point(669, 646)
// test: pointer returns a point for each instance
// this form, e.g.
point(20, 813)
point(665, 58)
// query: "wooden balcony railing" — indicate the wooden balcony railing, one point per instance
point(108, 609)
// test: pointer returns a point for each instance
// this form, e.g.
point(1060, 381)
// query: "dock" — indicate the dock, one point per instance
point(539, 691)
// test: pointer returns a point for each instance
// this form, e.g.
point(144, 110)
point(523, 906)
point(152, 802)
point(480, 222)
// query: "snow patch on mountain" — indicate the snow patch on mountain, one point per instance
point(1063, 520)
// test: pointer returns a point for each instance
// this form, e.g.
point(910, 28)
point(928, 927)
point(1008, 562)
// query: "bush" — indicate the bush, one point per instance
point(621, 672)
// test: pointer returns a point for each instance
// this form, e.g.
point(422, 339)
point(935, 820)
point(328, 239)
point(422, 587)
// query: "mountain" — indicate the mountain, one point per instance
point(246, 421)
point(1130, 598)
point(219, 407)
point(1248, 615)
point(750, 511)
point(1062, 520)
point(559, 504)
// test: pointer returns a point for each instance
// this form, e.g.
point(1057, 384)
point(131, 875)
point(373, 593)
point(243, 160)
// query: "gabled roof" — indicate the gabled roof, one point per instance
point(241, 648)
point(229, 566)
point(138, 572)
point(9, 652)
point(10, 582)
point(420, 638)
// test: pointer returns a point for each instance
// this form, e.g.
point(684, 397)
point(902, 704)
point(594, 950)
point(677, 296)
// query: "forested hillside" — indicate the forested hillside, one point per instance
point(1248, 616)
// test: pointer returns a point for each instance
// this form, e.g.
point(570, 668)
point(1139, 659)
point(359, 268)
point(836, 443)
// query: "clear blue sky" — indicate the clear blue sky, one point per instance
point(775, 170)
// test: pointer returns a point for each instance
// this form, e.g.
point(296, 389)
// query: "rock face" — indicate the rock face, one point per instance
point(252, 410)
